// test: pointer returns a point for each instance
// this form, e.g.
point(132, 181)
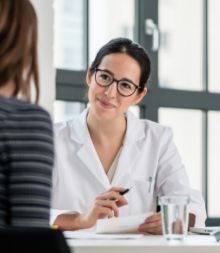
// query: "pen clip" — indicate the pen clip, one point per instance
point(150, 179)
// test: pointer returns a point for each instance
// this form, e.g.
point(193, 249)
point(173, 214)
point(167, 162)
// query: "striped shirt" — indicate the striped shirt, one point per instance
point(26, 161)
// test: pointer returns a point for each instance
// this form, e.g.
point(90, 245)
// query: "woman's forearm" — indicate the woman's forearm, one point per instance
point(70, 221)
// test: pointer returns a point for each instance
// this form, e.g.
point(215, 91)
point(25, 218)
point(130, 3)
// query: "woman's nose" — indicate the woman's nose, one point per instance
point(111, 90)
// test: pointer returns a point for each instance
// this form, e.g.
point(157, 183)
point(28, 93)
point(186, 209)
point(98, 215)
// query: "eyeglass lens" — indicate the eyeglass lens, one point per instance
point(104, 78)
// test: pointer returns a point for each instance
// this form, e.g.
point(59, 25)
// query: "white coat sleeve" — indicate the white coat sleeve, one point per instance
point(172, 178)
point(197, 201)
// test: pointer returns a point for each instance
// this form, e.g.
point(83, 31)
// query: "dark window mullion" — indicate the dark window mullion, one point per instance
point(70, 85)
point(148, 9)
point(137, 21)
point(72, 77)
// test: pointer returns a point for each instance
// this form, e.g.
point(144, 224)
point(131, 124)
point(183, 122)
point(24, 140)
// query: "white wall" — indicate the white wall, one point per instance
point(44, 10)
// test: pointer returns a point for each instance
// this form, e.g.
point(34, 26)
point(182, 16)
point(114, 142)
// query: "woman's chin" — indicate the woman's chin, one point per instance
point(103, 113)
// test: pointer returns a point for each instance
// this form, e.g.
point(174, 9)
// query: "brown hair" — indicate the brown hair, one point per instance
point(129, 47)
point(18, 47)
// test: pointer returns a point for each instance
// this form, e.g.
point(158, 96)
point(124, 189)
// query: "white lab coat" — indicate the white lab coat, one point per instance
point(149, 163)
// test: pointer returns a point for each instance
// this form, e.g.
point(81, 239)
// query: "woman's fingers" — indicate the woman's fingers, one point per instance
point(152, 231)
point(112, 195)
point(109, 195)
point(96, 212)
point(151, 228)
point(116, 189)
point(109, 204)
point(153, 218)
point(104, 212)
point(152, 225)
point(106, 205)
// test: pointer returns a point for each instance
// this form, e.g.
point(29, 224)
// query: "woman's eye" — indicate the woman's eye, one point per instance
point(125, 85)
point(105, 77)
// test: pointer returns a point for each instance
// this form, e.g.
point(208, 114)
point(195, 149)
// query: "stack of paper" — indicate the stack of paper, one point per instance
point(126, 224)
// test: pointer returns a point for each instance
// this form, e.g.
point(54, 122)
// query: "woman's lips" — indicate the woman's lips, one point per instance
point(106, 104)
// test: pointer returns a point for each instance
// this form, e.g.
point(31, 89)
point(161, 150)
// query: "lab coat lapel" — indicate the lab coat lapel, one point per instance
point(130, 151)
point(86, 152)
point(88, 156)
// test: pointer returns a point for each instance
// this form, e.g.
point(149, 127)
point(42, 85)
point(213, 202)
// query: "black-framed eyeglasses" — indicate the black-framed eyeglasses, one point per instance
point(104, 79)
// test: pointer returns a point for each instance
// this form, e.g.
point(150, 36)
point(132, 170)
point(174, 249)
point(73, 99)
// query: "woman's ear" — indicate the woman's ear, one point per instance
point(140, 96)
point(88, 76)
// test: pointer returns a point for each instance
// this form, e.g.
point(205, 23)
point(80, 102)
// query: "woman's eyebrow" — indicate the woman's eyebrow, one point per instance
point(106, 70)
point(122, 79)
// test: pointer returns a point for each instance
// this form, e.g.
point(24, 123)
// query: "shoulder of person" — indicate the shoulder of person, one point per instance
point(149, 125)
point(154, 126)
point(157, 129)
point(14, 105)
point(151, 128)
point(65, 125)
point(75, 122)
point(74, 128)
point(20, 113)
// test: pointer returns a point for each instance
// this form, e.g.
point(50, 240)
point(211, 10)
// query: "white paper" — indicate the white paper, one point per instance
point(125, 224)
point(80, 234)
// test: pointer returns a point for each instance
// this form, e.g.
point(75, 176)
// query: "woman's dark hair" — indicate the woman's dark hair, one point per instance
point(18, 47)
point(126, 46)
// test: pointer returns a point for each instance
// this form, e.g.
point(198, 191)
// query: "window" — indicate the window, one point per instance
point(213, 45)
point(108, 19)
point(213, 163)
point(187, 127)
point(67, 110)
point(180, 38)
point(69, 51)
point(183, 41)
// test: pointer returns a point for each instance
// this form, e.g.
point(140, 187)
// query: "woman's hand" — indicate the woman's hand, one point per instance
point(152, 225)
point(104, 206)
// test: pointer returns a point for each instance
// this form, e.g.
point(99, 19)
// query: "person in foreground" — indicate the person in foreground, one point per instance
point(107, 149)
point(26, 137)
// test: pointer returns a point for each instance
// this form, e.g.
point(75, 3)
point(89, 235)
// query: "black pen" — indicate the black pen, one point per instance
point(125, 191)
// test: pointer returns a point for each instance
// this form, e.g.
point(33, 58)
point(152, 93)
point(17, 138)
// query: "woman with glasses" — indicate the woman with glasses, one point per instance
point(107, 149)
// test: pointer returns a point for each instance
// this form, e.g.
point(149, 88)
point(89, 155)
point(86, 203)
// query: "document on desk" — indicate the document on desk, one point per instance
point(121, 225)
point(84, 234)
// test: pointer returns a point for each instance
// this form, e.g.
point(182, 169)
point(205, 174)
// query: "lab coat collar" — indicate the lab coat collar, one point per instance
point(135, 132)
point(79, 133)
point(130, 151)
point(79, 130)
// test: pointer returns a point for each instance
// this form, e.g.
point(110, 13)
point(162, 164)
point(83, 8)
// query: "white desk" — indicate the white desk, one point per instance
point(151, 244)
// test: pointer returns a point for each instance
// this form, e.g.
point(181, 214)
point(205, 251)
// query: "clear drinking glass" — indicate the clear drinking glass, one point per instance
point(174, 211)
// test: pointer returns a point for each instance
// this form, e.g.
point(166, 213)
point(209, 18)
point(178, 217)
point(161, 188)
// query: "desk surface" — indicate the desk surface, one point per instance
point(151, 244)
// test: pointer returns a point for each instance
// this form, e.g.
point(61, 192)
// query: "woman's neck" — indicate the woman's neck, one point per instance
point(112, 130)
point(7, 89)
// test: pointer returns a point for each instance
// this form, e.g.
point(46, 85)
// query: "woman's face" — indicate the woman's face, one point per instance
point(106, 102)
